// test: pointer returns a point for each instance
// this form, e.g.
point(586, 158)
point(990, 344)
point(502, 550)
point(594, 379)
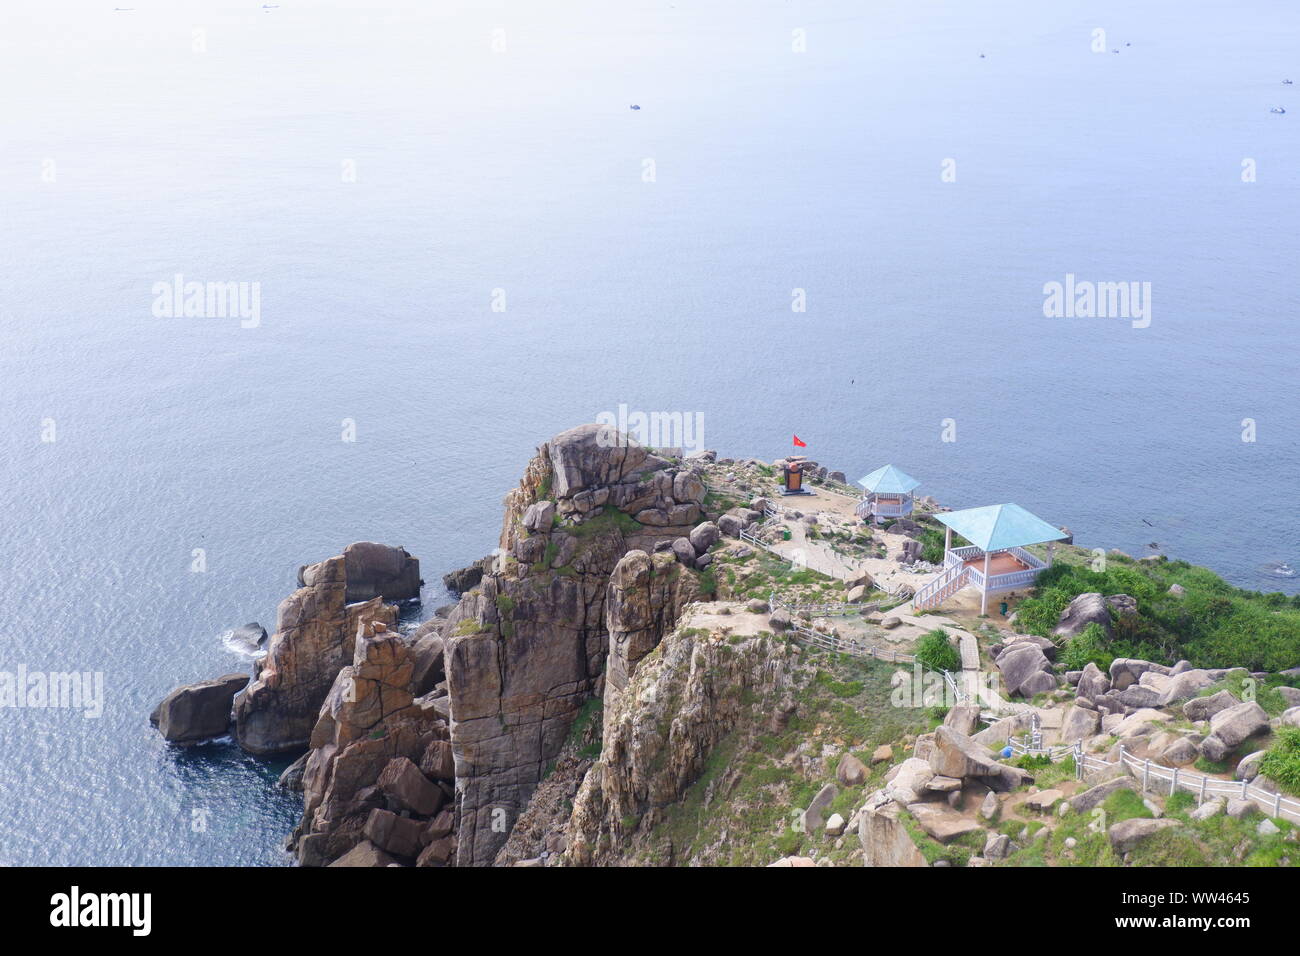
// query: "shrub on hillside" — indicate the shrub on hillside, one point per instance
point(1281, 763)
point(934, 651)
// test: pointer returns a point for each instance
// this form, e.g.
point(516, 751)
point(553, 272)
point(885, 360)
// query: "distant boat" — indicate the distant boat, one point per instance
point(1286, 82)
point(634, 107)
point(1282, 570)
point(1277, 109)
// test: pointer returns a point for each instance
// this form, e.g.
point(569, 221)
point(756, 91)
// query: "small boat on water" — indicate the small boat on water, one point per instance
point(1281, 570)
point(1277, 109)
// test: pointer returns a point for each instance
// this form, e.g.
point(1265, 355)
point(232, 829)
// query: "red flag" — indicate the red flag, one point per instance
point(800, 443)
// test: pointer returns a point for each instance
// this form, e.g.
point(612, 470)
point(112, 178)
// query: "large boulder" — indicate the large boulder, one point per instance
point(704, 536)
point(1203, 708)
point(402, 782)
point(197, 712)
point(378, 570)
point(814, 818)
point(1079, 724)
point(1231, 727)
point(1093, 683)
point(1127, 834)
point(1126, 671)
point(957, 755)
point(1092, 608)
point(1019, 663)
point(539, 517)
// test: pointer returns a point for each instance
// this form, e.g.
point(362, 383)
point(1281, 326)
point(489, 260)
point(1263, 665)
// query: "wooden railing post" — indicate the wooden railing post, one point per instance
point(1277, 805)
point(1201, 799)
point(1146, 774)
point(1173, 783)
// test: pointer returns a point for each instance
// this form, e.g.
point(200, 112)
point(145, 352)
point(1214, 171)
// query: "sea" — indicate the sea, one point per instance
point(426, 236)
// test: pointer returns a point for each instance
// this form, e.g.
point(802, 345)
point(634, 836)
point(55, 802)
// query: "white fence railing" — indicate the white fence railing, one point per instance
point(1272, 803)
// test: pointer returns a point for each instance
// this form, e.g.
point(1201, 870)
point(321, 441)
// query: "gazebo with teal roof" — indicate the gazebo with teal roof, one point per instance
point(995, 560)
point(888, 493)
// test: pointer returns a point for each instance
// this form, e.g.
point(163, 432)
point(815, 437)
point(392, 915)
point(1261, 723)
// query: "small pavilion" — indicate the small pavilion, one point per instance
point(888, 493)
point(995, 559)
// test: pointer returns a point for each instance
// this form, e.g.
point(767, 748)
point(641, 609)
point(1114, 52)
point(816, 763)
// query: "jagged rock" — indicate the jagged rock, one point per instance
point(660, 731)
point(197, 712)
point(882, 754)
point(1092, 683)
point(730, 526)
point(938, 784)
point(1139, 722)
point(793, 861)
point(1290, 717)
point(1239, 809)
point(438, 761)
point(884, 837)
point(438, 853)
point(1230, 727)
point(957, 755)
point(539, 516)
point(1019, 663)
point(890, 622)
point(1267, 828)
point(400, 836)
point(704, 536)
point(315, 636)
point(402, 782)
point(644, 595)
point(940, 822)
point(834, 825)
point(851, 772)
point(756, 606)
point(856, 595)
point(462, 580)
point(377, 570)
point(780, 620)
point(1079, 724)
point(1127, 834)
point(428, 667)
point(369, 720)
point(963, 718)
point(1203, 708)
point(365, 853)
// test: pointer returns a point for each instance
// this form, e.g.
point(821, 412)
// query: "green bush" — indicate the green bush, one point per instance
point(1212, 624)
point(1087, 647)
point(934, 651)
point(1281, 763)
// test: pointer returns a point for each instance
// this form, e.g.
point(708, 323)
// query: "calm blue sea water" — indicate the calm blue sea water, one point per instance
point(522, 170)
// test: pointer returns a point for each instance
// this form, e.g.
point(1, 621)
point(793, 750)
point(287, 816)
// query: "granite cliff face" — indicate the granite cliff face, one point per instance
point(528, 646)
point(682, 699)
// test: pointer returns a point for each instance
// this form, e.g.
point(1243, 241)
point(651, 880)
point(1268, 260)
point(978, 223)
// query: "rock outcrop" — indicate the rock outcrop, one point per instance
point(375, 747)
point(315, 632)
point(697, 687)
point(527, 646)
point(198, 712)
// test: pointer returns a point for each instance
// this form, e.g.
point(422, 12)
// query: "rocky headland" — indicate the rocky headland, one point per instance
point(614, 686)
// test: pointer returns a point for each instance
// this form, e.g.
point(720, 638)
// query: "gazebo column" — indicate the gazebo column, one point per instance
point(947, 539)
point(984, 591)
point(1050, 547)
